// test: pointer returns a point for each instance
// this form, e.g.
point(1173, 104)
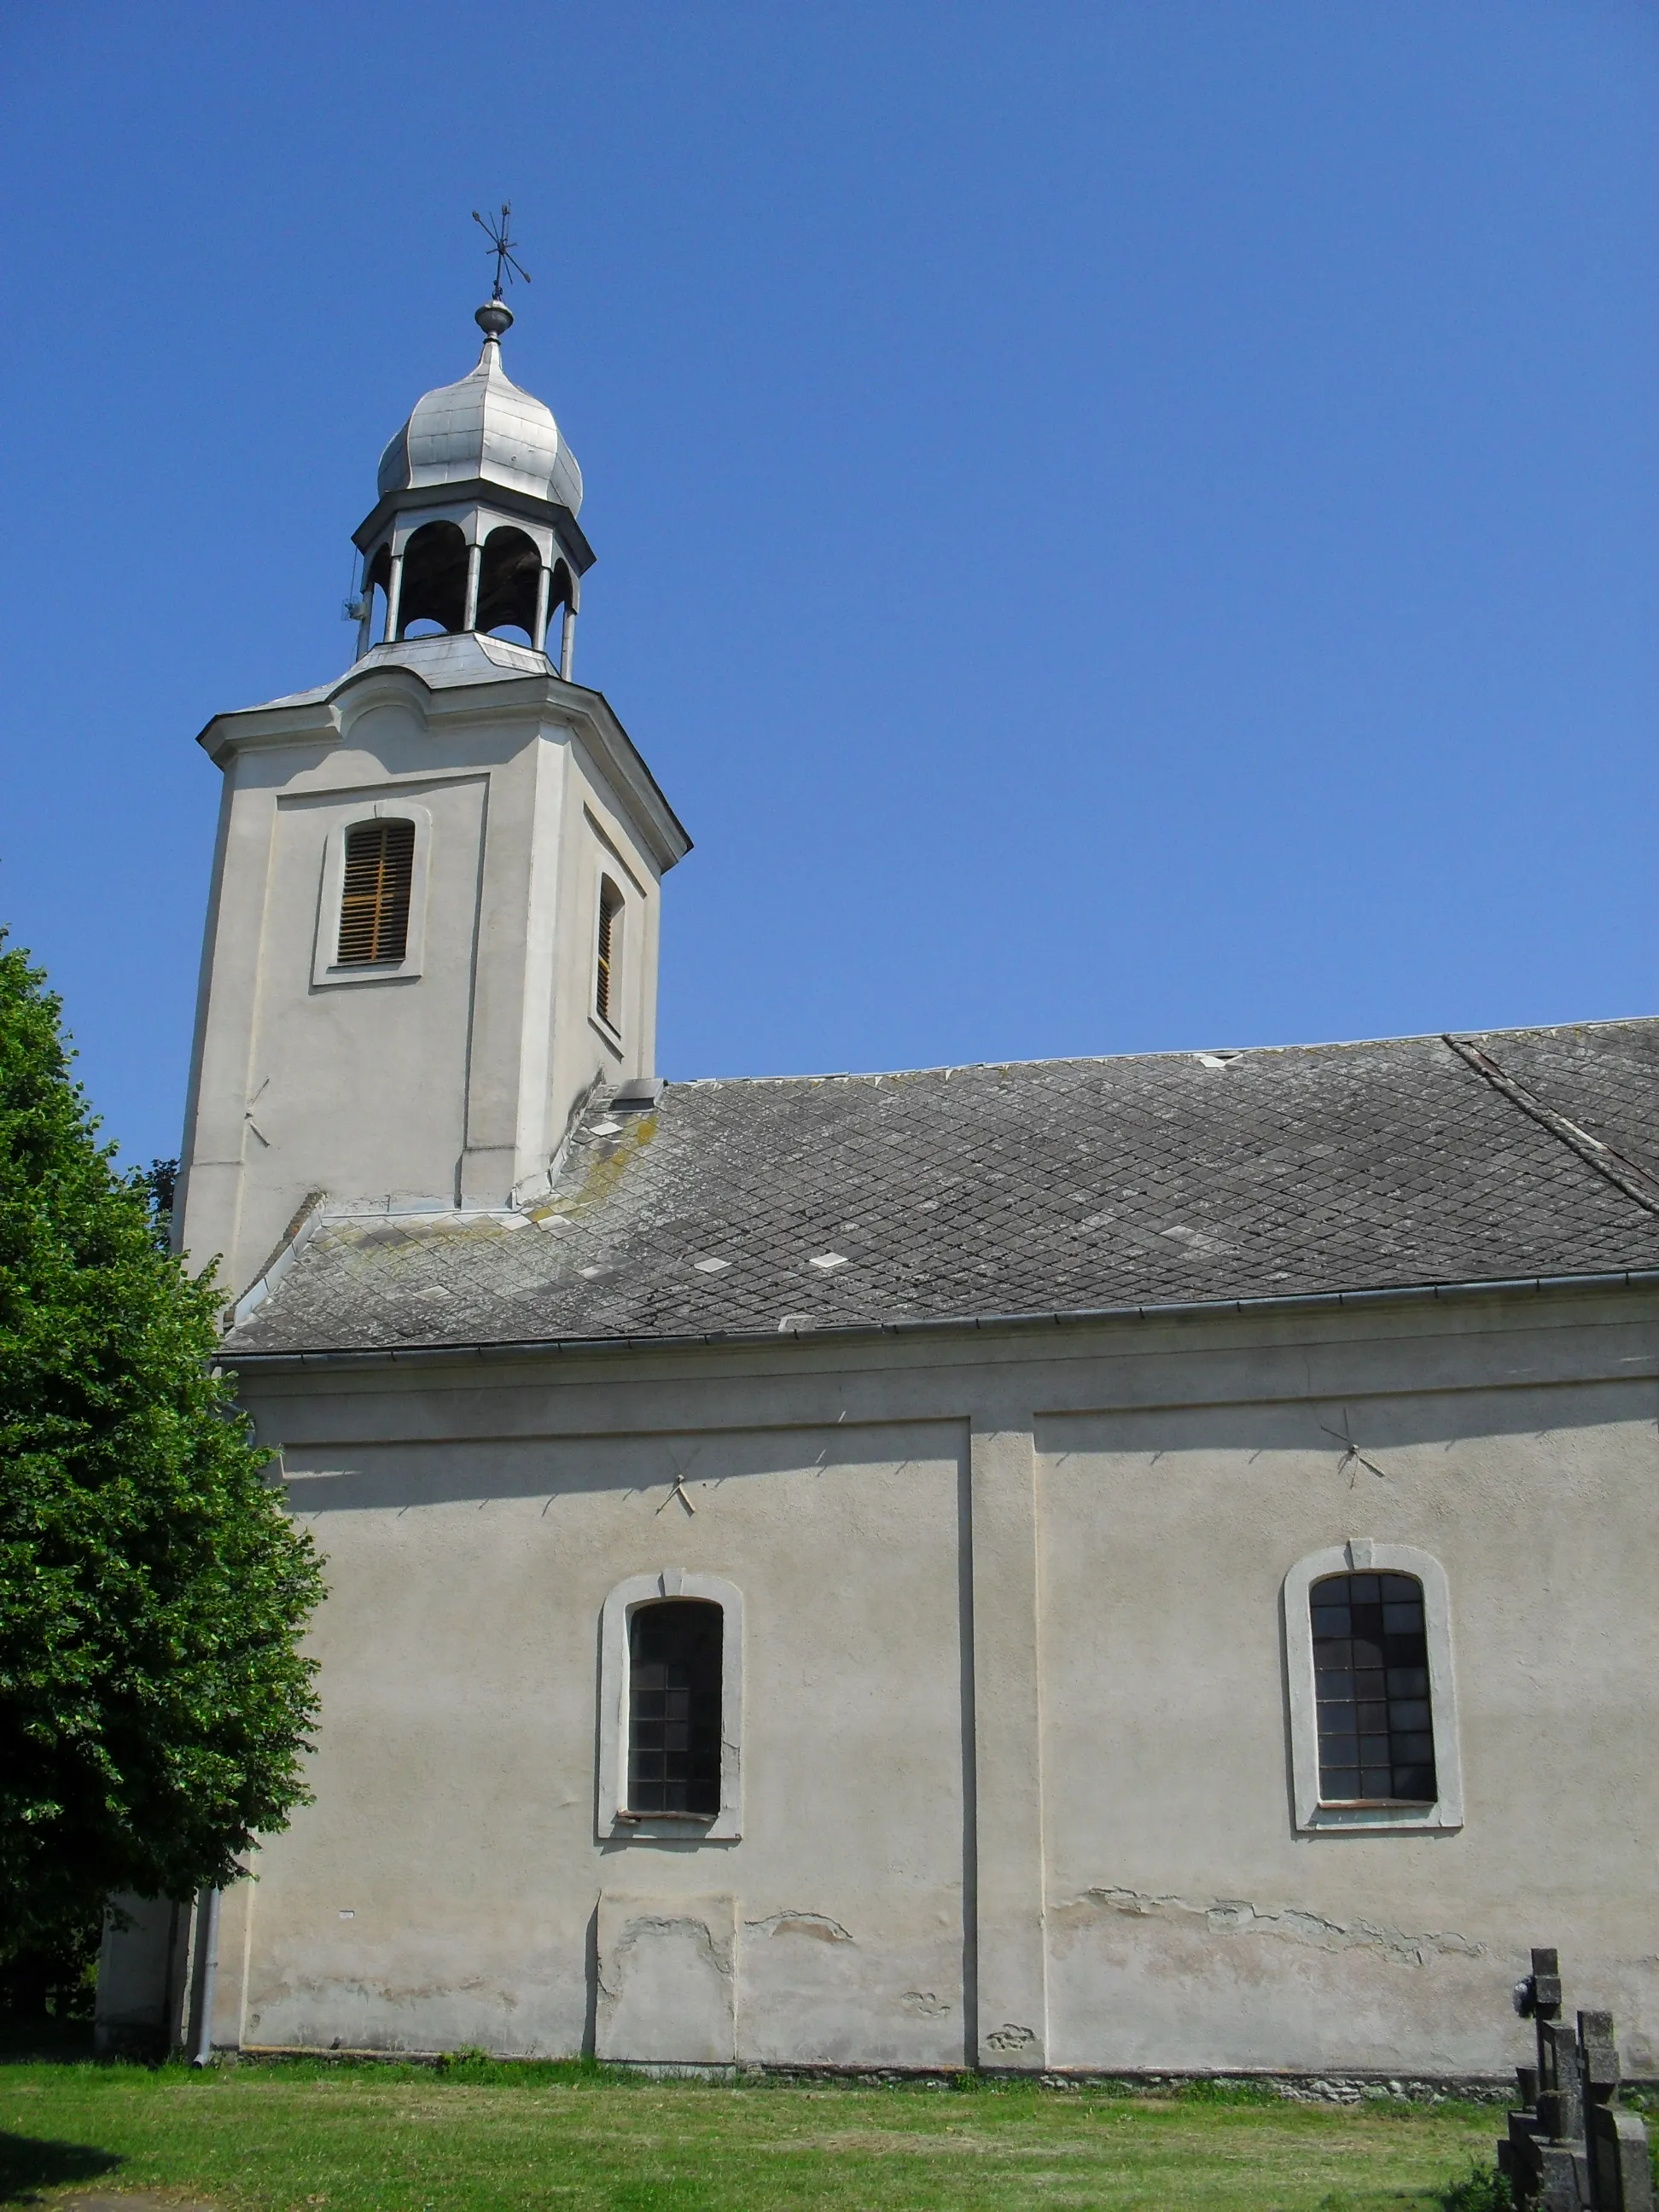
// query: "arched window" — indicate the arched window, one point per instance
point(1373, 1703)
point(670, 1710)
point(374, 892)
point(607, 962)
point(674, 1651)
point(1372, 1683)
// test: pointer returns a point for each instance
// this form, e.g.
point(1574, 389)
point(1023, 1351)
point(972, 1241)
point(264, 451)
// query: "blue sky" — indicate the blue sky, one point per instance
point(1121, 526)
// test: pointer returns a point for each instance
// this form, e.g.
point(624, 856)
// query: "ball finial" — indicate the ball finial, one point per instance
point(494, 317)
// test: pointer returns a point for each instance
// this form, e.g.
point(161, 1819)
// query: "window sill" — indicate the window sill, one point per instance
point(1379, 1816)
point(673, 1828)
point(602, 1028)
point(366, 971)
point(1377, 1804)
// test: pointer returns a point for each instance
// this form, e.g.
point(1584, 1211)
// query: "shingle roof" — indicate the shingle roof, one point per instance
point(1049, 1187)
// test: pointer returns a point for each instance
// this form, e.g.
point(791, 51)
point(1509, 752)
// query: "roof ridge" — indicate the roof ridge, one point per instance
point(1161, 1052)
point(1635, 1181)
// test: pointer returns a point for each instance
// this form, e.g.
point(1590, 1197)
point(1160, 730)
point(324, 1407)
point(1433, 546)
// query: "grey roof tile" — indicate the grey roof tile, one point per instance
point(1047, 1186)
point(1603, 1075)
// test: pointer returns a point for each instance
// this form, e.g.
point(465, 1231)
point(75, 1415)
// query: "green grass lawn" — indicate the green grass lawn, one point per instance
point(478, 2136)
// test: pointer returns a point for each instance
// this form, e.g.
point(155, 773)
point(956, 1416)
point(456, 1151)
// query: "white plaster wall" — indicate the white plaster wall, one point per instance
point(1111, 1511)
point(666, 1970)
point(455, 1813)
point(335, 1070)
point(597, 841)
point(1189, 1925)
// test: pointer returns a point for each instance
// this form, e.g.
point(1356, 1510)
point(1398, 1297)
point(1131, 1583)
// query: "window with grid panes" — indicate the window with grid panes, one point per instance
point(674, 1707)
point(1372, 1683)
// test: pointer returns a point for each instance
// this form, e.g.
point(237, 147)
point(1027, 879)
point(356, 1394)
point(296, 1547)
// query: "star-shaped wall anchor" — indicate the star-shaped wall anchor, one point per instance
point(677, 1488)
point(1351, 1455)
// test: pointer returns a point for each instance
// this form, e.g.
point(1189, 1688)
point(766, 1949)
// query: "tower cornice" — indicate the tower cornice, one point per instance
point(326, 716)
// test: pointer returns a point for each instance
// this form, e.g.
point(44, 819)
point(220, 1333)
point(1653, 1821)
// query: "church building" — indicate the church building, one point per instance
point(1116, 1565)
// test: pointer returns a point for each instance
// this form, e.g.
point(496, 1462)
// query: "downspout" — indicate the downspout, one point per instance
point(207, 1975)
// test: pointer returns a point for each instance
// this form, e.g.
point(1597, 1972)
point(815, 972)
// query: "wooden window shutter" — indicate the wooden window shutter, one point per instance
point(379, 868)
point(605, 979)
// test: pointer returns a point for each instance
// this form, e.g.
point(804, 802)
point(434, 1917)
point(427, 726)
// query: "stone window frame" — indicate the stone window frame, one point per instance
point(613, 1820)
point(327, 969)
point(1360, 1555)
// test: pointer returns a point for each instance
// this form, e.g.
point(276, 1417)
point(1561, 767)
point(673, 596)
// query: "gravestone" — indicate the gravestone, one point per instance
point(1569, 2148)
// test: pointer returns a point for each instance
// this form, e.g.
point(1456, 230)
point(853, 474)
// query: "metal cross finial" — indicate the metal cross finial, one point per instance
point(500, 244)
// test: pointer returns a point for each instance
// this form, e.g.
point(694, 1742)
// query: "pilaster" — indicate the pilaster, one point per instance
point(1011, 1944)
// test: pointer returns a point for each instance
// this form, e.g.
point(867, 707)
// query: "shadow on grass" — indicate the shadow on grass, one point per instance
point(59, 2041)
point(29, 2163)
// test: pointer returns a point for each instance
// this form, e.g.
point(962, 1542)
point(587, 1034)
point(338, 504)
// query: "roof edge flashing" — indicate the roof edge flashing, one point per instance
point(1423, 1294)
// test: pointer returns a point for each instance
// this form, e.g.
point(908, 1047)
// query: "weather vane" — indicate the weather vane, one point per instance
point(500, 244)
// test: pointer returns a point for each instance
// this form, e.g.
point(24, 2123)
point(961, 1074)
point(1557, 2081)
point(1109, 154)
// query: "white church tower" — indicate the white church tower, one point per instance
point(434, 920)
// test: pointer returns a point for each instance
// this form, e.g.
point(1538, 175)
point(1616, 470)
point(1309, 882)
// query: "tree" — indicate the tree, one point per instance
point(155, 1708)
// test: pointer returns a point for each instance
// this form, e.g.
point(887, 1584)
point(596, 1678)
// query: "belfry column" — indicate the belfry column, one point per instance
point(394, 591)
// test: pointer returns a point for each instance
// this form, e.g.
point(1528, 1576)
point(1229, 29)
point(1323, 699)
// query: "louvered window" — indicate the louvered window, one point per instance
point(674, 1670)
point(1371, 1682)
point(379, 868)
point(606, 975)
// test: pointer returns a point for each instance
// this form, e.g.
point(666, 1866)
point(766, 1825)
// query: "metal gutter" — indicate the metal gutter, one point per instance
point(438, 1355)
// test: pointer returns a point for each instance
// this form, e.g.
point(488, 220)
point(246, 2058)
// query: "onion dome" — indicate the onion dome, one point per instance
point(483, 427)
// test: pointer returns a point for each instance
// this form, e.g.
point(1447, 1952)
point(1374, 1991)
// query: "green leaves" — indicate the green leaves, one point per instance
point(154, 1706)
